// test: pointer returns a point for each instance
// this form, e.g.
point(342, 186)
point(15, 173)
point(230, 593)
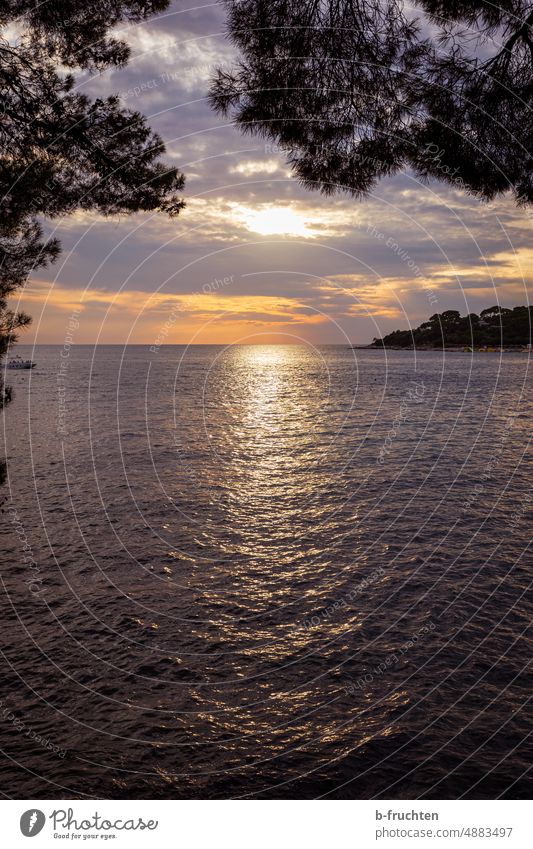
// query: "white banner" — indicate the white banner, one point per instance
point(267, 824)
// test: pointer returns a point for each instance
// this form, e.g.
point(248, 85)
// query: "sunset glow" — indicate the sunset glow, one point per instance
point(277, 220)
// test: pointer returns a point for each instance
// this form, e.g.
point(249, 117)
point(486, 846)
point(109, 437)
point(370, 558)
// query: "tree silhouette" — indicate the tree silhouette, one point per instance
point(59, 150)
point(494, 326)
point(355, 90)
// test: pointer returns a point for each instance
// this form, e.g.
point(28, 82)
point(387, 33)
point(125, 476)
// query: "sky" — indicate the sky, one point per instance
point(254, 257)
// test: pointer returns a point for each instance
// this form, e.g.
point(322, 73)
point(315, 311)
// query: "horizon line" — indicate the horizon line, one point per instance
point(188, 344)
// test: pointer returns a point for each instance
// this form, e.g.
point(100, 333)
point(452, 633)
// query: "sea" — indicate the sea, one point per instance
point(266, 571)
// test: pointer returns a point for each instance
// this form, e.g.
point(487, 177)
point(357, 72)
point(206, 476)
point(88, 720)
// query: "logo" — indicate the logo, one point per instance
point(32, 822)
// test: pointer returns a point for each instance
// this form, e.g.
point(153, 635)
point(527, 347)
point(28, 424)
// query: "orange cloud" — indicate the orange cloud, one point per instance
point(158, 318)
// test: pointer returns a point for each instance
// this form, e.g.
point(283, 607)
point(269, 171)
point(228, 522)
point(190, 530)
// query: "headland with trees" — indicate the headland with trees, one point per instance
point(495, 328)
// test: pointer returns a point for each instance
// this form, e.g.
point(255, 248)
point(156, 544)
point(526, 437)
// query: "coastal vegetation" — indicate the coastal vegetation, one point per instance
point(60, 150)
point(356, 90)
point(494, 327)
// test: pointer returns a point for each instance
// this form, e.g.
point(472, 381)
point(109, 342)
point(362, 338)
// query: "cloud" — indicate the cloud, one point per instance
point(250, 167)
point(144, 317)
point(290, 251)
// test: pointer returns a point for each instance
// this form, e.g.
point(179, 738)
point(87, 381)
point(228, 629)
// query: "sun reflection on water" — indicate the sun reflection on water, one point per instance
point(270, 433)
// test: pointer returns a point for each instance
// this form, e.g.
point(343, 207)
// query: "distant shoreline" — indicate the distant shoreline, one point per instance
point(448, 350)
point(495, 330)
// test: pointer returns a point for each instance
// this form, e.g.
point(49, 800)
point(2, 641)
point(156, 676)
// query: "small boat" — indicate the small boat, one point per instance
point(18, 362)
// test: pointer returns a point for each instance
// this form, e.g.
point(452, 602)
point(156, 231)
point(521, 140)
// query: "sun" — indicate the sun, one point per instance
point(277, 220)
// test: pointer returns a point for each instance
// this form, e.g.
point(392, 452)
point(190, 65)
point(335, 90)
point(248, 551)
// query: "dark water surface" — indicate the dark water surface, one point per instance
point(267, 572)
